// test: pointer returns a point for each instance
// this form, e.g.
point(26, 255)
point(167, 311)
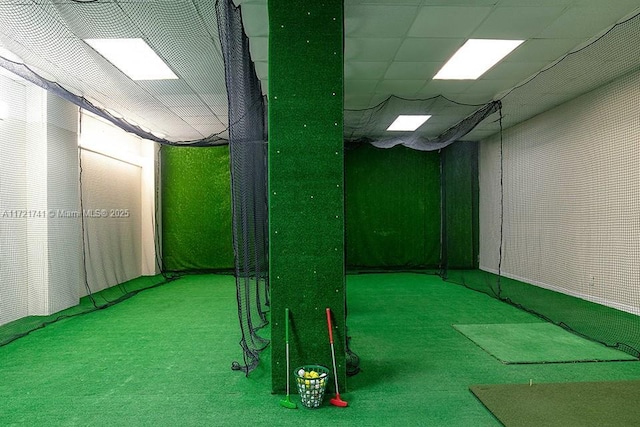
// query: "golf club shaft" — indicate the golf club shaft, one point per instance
point(287, 351)
point(286, 329)
point(335, 371)
point(333, 351)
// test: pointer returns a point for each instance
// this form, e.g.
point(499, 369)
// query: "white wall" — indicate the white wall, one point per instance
point(13, 196)
point(119, 179)
point(571, 198)
point(39, 253)
point(41, 221)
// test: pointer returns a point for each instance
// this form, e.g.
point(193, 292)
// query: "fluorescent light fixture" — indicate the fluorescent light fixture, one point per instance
point(4, 110)
point(133, 57)
point(407, 122)
point(475, 57)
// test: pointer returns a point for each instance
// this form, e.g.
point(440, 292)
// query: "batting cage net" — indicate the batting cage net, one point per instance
point(532, 198)
point(557, 206)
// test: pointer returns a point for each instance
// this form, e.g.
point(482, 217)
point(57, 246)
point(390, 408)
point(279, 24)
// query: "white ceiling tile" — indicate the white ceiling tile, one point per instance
point(219, 109)
point(255, 19)
point(357, 101)
point(196, 60)
point(214, 98)
point(546, 50)
point(517, 23)
point(210, 129)
point(360, 86)
point(441, 87)
point(179, 100)
point(488, 88)
point(97, 20)
point(166, 19)
point(448, 22)
point(184, 133)
point(428, 49)
point(538, 3)
point(469, 97)
point(223, 118)
point(583, 22)
point(371, 49)
point(463, 2)
point(377, 98)
point(513, 72)
point(364, 70)
point(192, 111)
point(202, 121)
point(166, 87)
point(412, 70)
point(401, 88)
point(374, 21)
point(385, 2)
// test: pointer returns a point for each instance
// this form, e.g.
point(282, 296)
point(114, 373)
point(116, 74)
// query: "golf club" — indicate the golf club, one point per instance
point(336, 401)
point(287, 403)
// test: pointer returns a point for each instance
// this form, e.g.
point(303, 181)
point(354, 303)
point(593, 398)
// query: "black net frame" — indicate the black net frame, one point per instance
point(248, 157)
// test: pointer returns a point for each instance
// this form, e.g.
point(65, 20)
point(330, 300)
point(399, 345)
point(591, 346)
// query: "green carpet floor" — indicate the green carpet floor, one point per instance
point(539, 342)
point(163, 358)
point(583, 404)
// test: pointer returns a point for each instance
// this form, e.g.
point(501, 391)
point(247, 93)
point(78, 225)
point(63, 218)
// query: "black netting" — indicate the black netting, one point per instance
point(28, 74)
point(558, 194)
point(369, 126)
point(248, 153)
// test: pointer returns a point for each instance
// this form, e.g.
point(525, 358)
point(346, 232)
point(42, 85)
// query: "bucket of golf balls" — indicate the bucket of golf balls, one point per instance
point(312, 382)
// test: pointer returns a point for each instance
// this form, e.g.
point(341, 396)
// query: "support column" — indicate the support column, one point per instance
point(306, 198)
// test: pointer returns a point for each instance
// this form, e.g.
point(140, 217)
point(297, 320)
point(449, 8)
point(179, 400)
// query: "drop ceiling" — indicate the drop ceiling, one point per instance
point(392, 48)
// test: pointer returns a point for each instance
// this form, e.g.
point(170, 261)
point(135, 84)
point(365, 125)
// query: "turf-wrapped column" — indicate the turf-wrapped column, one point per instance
point(306, 197)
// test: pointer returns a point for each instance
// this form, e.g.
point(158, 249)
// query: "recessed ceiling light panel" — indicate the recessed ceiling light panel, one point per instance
point(408, 122)
point(133, 57)
point(475, 57)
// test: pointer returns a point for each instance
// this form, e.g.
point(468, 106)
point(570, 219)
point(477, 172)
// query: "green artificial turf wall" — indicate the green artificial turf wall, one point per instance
point(196, 209)
point(392, 208)
point(306, 208)
point(460, 205)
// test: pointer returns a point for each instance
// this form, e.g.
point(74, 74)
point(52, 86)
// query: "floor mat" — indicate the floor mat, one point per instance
point(562, 404)
point(537, 343)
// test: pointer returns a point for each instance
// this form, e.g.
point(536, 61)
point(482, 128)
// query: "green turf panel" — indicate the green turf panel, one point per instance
point(196, 208)
point(581, 404)
point(537, 343)
point(392, 208)
point(306, 194)
point(615, 328)
point(98, 300)
point(164, 358)
point(460, 205)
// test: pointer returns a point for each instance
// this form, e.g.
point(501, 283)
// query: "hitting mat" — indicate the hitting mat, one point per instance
point(562, 404)
point(537, 343)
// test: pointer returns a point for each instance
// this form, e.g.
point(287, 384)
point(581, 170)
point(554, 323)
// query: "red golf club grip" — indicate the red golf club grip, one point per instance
point(329, 324)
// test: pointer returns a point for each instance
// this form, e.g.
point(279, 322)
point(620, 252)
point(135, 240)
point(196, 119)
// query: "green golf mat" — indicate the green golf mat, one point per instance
point(562, 404)
point(537, 343)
